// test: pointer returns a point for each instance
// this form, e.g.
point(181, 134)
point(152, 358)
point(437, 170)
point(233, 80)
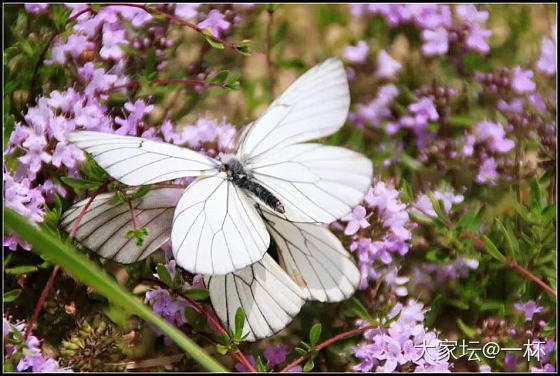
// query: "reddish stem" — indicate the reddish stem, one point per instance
point(511, 263)
point(132, 213)
point(178, 20)
point(514, 265)
point(237, 354)
point(326, 343)
point(50, 282)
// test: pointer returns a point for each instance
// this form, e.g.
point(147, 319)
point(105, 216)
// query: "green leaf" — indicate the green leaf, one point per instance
point(535, 201)
point(468, 331)
point(90, 274)
point(468, 220)
point(222, 349)
point(150, 64)
point(300, 351)
point(21, 269)
point(191, 315)
point(208, 35)
point(460, 121)
point(359, 310)
point(197, 294)
point(315, 333)
point(411, 163)
point(511, 240)
point(239, 322)
point(437, 208)
point(406, 193)
point(492, 250)
point(220, 77)
point(164, 274)
point(244, 47)
point(80, 185)
point(141, 192)
point(9, 123)
point(432, 314)
point(308, 366)
point(11, 295)
point(262, 366)
point(280, 33)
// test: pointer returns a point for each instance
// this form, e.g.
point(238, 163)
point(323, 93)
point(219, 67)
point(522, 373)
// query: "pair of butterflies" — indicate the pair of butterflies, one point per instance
point(220, 225)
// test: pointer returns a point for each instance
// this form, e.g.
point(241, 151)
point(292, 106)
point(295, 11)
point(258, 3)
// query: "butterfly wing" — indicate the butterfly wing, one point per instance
point(104, 225)
point(315, 183)
point(315, 105)
point(314, 258)
point(216, 229)
point(139, 161)
point(269, 298)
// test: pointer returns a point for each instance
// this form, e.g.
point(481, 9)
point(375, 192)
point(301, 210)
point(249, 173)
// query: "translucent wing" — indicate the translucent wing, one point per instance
point(315, 183)
point(314, 258)
point(139, 161)
point(268, 296)
point(315, 105)
point(216, 229)
point(104, 225)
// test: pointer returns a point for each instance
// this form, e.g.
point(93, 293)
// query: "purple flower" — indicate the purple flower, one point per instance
point(387, 348)
point(241, 367)
point(13, 241)
point(373, 112)
point(357, 54)
point(35, 8)
point(172, 310)
point(529, 308)
point(469, 13)
point(67, 155)
point(487, 171)
point(356, 220)
point(436, 42)
point(515, 106)
point(215, 20)
point(23, 199)
point(296, 369)
point(511, 361)
point(547, 61)
point(521, 81)
point(547, 368)
point(494, 132)
point(97, 78)
point(112, 41)
point(276, 354)
point(386, 65)
point(186, 10)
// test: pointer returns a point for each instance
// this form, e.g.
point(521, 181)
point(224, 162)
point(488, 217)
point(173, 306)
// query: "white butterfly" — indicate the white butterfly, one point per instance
point(313, 262)
point(216, 228)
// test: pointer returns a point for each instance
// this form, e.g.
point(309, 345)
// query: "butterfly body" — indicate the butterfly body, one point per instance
point(241, 177)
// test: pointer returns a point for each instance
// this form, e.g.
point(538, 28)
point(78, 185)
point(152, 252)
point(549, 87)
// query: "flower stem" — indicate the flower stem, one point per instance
point(237, 354)
point(326, 343)
point(50, 282)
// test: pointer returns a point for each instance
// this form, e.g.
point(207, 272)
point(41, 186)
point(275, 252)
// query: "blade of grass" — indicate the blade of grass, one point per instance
point(79, 266)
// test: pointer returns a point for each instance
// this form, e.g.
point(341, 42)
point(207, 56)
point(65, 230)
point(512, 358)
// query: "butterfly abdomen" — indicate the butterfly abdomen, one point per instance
point(242, 179)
